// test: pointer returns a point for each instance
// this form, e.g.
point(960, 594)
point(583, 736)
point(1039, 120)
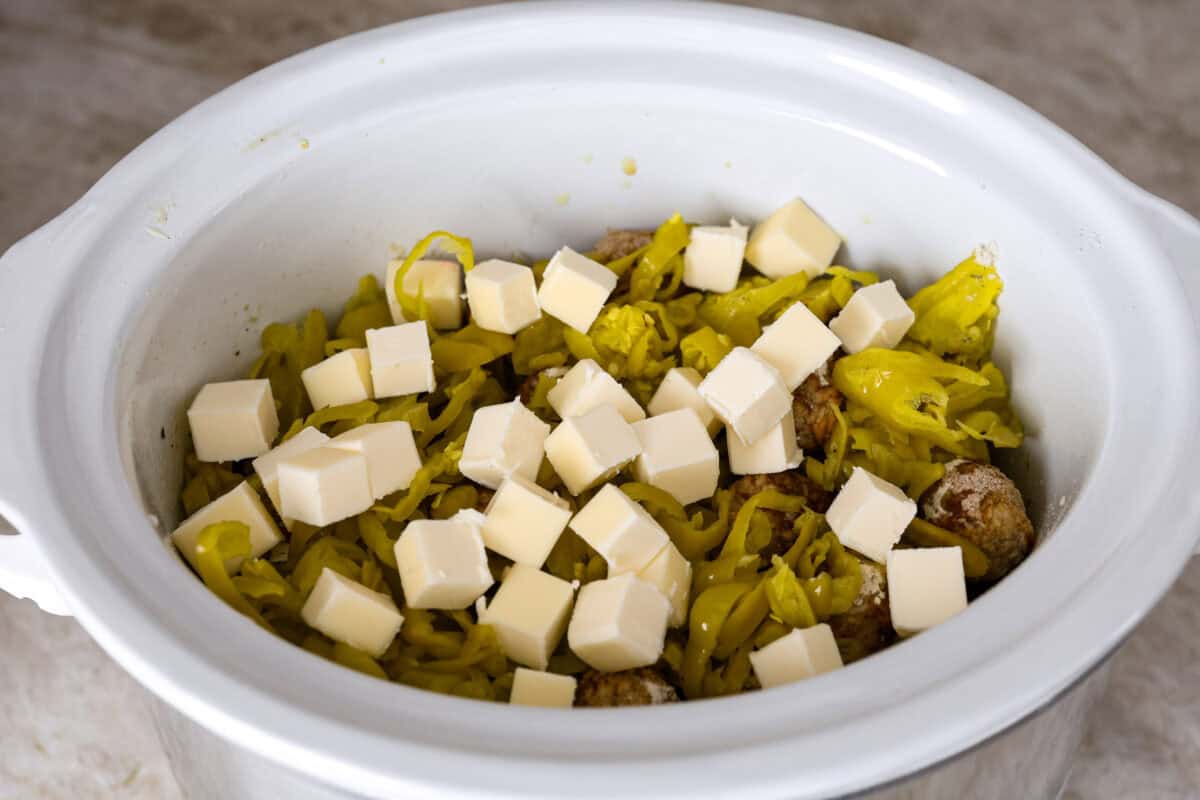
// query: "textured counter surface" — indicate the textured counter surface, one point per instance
point(84, 81)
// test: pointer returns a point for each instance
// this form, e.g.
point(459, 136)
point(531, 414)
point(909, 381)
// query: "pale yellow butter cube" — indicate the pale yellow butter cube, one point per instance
point(713, 259)
point(523, 521)
point(535, 688)
point(505, 439)
point(575, 288)
point(671, 574)
point(803, 653)
point(677, 455)
point(390, 451)
point(241, 504)
point(587, 449)
point(502, 296)
point(869, 514)
point(926, 587)
point(267, 465)
point(620, 530)
point(440, 283)
point(619, 623)
point(747, 393)
point(232, 420)
point(587, 386)
point(875, 316)
point(774, 452)
point(350, 613)
point(341, 379)
point(323, 486)
point(529, 613)
point(793, 239)
point(401, 361)
point(442, 563)
point(796, 344)
point(680, 389)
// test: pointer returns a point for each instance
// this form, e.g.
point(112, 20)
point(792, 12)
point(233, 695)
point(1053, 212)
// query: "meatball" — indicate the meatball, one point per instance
point(483, 496)
point(644, 686)
point(867, 627)
point(620, 243)
point(812, 408)
point(792, 482)
point(980, 503)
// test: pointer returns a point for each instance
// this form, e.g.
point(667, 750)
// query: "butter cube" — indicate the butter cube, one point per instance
point(438, 282)
point(671, 574)
point(391, 453)
point(232, 420)
point(529, 613)
point(796, 344)
point(533, 688)
point(523, 521)
point(267, 465)
point(869, 515)
point(619, 623)
point(238, 505)
point(926, 587)
point(677, 455)
point(505, 439)
point(713, 259)
point(587, 386)
point(588, 449)
point(323, 486)
point(803, 653)
point(680, 389)
point(442, 563)
point(350, 613)
point(575, 288)
point(502, 296)
point(620, 530)
point(793, 239)
point(747, 393)
point(876, 316)
point(775, 452)
point(401, 362)
point(342, 378)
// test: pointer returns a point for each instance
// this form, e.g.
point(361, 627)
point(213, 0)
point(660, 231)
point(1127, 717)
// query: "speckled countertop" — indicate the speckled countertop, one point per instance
point(83, 81)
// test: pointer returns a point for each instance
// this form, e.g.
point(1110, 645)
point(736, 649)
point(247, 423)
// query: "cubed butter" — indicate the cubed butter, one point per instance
point(588, 449)
point(796, 344)
point(680, 389)
point(502, 296)
point(401, 361)
point(267, 465)
point(803, 653)
point(876, 316)
point(241, 504)
point(529, 612)
point(620, 530)
point(671, 574)
point(677, 455)
point(342, 378)
point(390, 451)
point(323, 486)
point(232, 420)
point(440, 283)
point(532, 687)
point(523, 521)
point(586, 386)
point(442, 563)
point(793, 239)
point(926, 587)
point(575, 288)
point(747, 393)
point(713, 259)
point(350, 613)
point(869, 514)
point(775, 452)
point(619, 623)
point(505, 439)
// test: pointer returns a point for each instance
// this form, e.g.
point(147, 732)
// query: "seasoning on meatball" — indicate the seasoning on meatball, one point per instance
point(812, 408)
point(867, 627)
point(620, 243)
point(644, 686)
point(980, 503)
point(791, 482)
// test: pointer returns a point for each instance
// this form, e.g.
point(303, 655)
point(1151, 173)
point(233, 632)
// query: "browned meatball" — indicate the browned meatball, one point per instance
point(812, 407)
point(620, 243)
point(980, 503)
point(867, 627)
point(644, 686)
point(792, 482)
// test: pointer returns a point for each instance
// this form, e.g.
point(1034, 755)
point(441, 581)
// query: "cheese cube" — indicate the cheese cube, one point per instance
point(588, 449)
point(803, 653)
point(401, 362)
point(342, 378)
point(575, 288)
point(875, 316)
point(391, 453)
point(529, 613)
point(533, 688)
point(677, 455)
point(671, 574)
point(232, 420)
point(348, 612)
point(267, 465)
point(775, 452)
point(239, 505)
point(796, 344)
point(619, 623)
point(322, 486)
point(502, 296)
point(793, 239)
point(869, 514)
point(747, 393)
point(680, 389)
point(587, 386)
point(438, 282)
point(620, 530)
point(442, 563)
point(505, 439)
point(713, 259)
point(926, 587)
point(523, 521)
